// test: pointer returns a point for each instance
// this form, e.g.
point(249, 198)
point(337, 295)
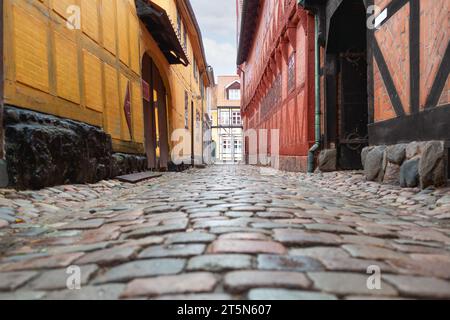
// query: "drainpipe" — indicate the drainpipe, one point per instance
point(316, 145)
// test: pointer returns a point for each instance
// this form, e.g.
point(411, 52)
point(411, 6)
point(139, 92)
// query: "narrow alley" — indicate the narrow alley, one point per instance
point(227, 232)
point(198, 150)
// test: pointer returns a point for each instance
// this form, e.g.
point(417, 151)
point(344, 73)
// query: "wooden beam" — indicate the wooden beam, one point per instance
point(414, 55)
point(370, 71)
point(388, 81)
point(440, 80)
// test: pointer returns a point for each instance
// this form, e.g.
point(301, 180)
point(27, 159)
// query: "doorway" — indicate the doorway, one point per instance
point(155, 116)
point(346, 84)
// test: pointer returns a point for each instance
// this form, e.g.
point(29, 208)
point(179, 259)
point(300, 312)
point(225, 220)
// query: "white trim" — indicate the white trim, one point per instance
point(226, 88)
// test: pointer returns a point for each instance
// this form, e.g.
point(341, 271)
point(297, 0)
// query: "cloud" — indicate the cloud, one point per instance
point(221, 56)
point(217, 20)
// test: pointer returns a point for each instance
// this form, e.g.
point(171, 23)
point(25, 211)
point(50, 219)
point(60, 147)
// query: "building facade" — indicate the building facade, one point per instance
point(227, 121)
point(98, 86)
point(385, 88)
point(276, 66)
point(371, 85)
point(211, 103)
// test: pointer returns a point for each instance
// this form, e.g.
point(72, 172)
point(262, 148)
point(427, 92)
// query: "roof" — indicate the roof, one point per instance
point(250, 14)
point(312, 4)
point(158, 24)
point(235, 81)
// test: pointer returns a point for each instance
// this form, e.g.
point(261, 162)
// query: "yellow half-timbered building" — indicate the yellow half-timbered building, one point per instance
point(133, 69)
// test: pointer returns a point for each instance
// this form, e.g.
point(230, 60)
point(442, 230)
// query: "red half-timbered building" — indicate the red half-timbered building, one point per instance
point(374, 94)
point(276, 65)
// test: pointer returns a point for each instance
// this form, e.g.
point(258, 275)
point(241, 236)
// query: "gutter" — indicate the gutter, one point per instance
point(316, 146)
point(249, 18)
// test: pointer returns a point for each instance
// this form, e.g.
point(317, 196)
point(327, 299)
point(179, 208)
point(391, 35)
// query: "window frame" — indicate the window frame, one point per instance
point(236, 115)
point(235, 96)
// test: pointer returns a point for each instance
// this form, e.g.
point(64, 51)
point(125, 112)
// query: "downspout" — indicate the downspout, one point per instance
point(316, 146)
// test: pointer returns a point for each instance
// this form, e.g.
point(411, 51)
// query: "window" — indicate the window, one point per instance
point(237, 146)
point(272, 98)
point(226, 144)
point(224, 117)
point(291, 72)
point(185, 38)
point(195, 70)
point(234, 94)
point(197, 119)
point(236, 118)
point(179, 25)
point(186, 110)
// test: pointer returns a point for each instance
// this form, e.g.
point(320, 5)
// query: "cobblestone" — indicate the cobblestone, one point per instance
point(220, 262)
point(13, 280)
point(108, 256)
point(283, 294)
point(246, 246)
point(191, 237)
point(420, 286)
point(57, 279)
point(304, 238)
point(240, 281)
point(141, 269)
point(177, 250)
point(288, 263)
point(348, 284)
point(226, 232)
point(187, 283)
point(105, 292)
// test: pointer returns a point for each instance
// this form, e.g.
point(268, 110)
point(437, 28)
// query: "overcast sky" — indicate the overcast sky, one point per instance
point(217, 20)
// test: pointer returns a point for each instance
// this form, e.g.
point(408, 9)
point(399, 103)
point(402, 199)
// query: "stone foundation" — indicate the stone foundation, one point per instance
point(417, 164)
point(327, 161)
point(294, 163)
point(127, 163)
point(286, 163)
point(44, 150)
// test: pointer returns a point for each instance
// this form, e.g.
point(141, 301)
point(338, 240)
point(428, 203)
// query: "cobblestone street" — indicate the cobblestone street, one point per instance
point(226, 232)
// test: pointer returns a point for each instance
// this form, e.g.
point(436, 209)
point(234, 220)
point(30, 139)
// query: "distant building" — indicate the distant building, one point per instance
point(227, 121)
point(211, 103)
